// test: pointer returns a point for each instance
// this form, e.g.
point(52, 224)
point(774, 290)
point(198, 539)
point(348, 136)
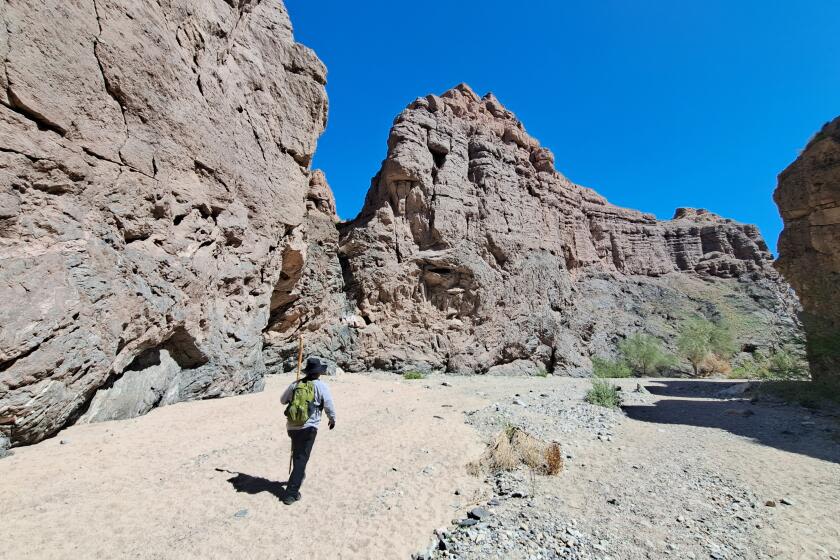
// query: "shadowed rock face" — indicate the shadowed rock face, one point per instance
point(473, 254)
point(309, 299)
point(153, 172)
point(808, 196)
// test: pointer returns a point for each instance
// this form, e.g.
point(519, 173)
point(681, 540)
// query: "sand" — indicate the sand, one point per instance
point(202, 479)
point(168, 485)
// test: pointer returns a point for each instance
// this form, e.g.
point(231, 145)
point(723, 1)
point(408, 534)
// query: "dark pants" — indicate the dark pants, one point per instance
point(302, 441)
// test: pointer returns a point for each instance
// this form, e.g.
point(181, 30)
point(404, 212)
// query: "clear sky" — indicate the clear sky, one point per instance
point(655, 104)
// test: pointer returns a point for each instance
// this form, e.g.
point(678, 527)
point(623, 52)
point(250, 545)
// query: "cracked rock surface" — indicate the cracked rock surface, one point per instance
point(808, 197)
point(153, 171)
point(472, 253)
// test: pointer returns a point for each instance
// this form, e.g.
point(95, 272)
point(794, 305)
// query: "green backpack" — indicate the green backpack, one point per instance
point(298, 409)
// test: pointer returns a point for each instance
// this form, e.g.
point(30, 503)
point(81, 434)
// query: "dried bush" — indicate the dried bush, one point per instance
point(513, 447)
point(715, 364)
point(553, 459)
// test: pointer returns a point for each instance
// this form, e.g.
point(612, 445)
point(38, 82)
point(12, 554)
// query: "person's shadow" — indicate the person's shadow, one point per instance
point(242, 482)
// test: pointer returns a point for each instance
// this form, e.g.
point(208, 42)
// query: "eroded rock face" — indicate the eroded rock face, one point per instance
point(309, 299)
point(808, 196)
point(472, 252)
point(153, 171)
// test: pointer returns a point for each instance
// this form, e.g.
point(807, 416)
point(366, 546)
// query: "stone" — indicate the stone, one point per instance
point(475, 255)
point(808, 196)
point(469, 522)
point(479, 513)
point(154, 189)
point(241, 513)
point(786, 502)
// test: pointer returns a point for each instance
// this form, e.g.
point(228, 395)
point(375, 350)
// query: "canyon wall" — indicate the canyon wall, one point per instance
point(473, 254)
point(808, 196)
point(154, 171)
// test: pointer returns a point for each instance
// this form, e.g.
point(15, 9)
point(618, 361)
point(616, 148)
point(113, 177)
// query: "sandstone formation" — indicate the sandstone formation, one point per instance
point(153, 175)
point(473, 254)
point(808, 197)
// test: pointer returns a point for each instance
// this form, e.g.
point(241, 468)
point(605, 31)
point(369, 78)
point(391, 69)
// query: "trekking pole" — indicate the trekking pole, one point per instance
point(297, 378)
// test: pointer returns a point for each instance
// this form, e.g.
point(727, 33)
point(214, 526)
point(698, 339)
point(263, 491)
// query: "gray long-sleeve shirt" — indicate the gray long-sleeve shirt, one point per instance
point(323, 401)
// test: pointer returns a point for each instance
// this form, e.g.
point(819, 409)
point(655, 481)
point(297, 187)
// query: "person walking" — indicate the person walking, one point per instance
point(305, 399)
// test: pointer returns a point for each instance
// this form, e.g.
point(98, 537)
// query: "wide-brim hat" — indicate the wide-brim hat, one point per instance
point(314, 365)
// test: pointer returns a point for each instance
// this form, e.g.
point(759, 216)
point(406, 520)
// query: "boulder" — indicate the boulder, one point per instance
point(154, 171)
point(808, 196)
point(472, 252)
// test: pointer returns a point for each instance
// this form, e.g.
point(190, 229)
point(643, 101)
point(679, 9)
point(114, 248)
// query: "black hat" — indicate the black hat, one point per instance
point(314, 365)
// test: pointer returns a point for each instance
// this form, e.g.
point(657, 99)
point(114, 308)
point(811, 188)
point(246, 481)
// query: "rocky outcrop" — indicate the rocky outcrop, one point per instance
point(808, 196)
point(473, 253)
point(153, 175)
point(309, 301)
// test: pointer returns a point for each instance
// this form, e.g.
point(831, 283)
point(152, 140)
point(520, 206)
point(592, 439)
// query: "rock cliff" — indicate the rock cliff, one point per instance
point(154, 171)
point(473, 254)
point(808, 196)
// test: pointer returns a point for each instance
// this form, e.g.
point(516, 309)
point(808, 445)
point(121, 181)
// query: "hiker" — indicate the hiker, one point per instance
point(305, 399)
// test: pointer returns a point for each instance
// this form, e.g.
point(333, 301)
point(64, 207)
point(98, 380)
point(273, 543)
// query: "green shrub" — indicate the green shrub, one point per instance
point(699, 338)
point(749, 369)
point(603, 393)
point(785, 364)
point(644, 354)
point(810, 394)
point(824, 350)
point(605, 368)
point(413, 375)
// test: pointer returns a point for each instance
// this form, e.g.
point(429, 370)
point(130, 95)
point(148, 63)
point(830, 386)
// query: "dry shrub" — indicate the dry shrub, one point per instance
point(529, 449)
point(501, 454)
point(715, 364)
point(553, 459)
point(513, 447)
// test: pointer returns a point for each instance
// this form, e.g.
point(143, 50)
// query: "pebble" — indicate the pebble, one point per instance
point(518, 402)
point(770, 503)
point(241, 513)
point(786, 502)
point(467, 522)
point(64, 442)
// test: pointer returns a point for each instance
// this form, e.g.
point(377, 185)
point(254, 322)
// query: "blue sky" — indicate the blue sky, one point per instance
point(656, 104)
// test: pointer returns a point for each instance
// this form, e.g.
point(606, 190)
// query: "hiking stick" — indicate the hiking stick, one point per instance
point(297, 378)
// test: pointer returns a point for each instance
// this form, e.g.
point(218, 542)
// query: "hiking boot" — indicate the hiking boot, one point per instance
point(291, 498)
